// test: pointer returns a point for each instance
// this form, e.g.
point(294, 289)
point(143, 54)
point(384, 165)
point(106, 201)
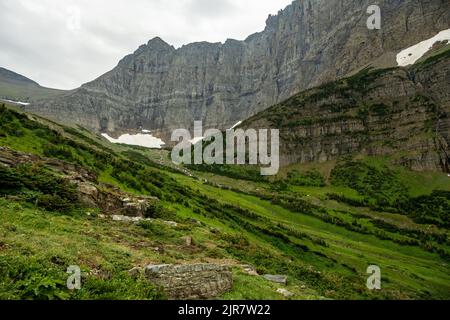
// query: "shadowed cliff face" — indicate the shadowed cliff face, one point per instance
point(310, 42)
point(402, 113)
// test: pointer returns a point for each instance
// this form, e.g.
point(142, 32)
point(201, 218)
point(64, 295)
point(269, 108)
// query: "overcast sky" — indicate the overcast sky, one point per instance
point(65, 43)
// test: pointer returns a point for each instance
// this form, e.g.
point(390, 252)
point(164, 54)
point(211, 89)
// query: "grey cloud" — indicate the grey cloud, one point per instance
point(38, 41)
point(209, 8)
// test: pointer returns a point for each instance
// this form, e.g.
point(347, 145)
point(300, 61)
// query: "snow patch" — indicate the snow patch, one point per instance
point(17, 102)
point(142, 140)
point(195, 140)
point(412, 54)
point(236, 125)
point(198, 139)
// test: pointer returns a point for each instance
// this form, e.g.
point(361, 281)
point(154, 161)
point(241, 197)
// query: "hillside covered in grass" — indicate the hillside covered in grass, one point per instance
point(320, 225)
point(16, 87)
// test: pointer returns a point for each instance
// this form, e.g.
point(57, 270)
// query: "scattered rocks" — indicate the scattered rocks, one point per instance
point(196, 281)
point(250, 270)
point(126, 218)
point(112, 200)
point(195, 221)
point(170, 223)
point(136, 272)
point(189, 241)
point(276, 278)
point(285, 293)
point(159, 250)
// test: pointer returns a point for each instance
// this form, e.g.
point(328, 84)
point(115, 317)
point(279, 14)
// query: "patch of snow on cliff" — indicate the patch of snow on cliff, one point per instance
point(142, 140)
point(412, 54)
point(198, 139)
point(17, 102)
point(237, 124)
point(195, 140)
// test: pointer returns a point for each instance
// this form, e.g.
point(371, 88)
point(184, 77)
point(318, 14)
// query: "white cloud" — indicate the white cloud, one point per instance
point(63, 44)
point(73, 18)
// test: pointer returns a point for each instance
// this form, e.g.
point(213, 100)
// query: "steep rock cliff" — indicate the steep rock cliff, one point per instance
point(403, 113)
point(310, 42)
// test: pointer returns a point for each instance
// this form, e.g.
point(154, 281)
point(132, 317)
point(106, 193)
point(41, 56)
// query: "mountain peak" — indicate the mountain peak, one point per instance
point(9, 76)
point(157, 42)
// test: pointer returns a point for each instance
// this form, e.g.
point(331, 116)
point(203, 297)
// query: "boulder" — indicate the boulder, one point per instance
point(276, 278)
point(88, 194)
point(170, 223)
point(285, 293)
point(135, 272)
point(189, 241)
point(250, 270)
point(195, 281)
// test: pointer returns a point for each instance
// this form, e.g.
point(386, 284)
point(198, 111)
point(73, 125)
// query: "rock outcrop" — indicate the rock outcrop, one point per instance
point(403, 113)
point(112, 200)
point(276, 278)
point(91, 194)
point(161, 88)
point(285, 293)
point(187, 282)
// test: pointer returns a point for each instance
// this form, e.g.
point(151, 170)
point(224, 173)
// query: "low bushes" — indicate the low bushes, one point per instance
point(40, 186)
point(306, 179)
point(378, 185)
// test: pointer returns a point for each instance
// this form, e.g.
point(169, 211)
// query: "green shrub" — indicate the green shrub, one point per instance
point(307, 179)
point(378, 184)
point(32, 278)
point(155, 210)
point(27, 278)
point(429, 209)
point(120, 287)
point(54, 202)
point(38, 185)
point(59, 152)
point(244, 172)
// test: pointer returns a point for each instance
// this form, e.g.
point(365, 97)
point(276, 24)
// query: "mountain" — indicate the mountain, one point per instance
point(308, 43)
point(12, 77)
point(364, 186)
point(14, 86)
point(401, 113)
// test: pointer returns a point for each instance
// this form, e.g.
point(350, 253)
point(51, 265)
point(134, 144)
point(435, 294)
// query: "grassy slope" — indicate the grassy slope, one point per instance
point(16, 87)
point(353, 249)
point(320, 257)
point(20, 92)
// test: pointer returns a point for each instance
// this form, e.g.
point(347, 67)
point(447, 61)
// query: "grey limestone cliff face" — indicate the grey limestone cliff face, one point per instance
point(402, 113)
point(308, 43)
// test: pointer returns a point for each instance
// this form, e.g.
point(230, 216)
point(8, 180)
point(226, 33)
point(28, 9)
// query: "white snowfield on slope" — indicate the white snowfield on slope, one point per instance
point(16, 102)
point(412, 54)
point(141, 139)
point(198, 139)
